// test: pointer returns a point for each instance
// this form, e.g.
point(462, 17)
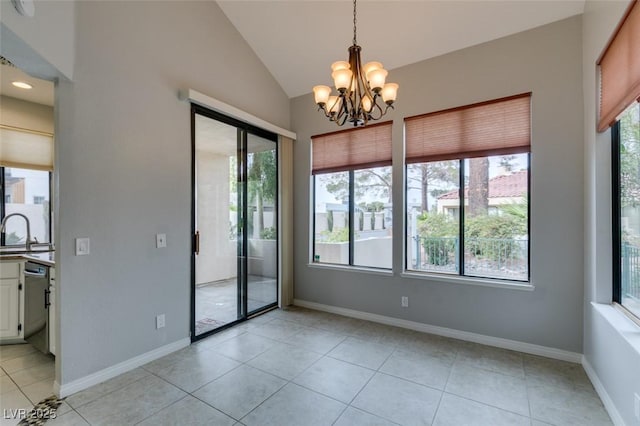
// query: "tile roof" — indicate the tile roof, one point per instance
point(512, 185)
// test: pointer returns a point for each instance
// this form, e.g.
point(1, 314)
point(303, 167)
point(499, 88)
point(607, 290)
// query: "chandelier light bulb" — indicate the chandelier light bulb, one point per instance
point(342, 78)
point(340, 65)
point(321, 94)
point(370, 66)
point(376, 78)
point(333, 104)
point(389, 93)
point(367, 103)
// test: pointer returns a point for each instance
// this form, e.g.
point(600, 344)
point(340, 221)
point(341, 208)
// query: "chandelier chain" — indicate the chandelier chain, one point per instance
point(354, 23)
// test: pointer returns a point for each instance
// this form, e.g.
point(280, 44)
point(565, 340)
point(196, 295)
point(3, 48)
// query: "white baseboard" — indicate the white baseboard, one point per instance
point(513, 345)
point(85, 382)
point(616, 418)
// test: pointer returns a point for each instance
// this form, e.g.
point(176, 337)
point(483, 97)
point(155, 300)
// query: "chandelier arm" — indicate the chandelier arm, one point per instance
point(378, 108)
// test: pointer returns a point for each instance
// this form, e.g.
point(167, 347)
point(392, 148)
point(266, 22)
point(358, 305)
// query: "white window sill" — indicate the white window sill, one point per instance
point(628, 329)
point(473, 281)
point(359, 269)
point(453, 279)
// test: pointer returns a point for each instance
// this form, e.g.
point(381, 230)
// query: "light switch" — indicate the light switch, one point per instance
point(161, 240)
point(82, 246)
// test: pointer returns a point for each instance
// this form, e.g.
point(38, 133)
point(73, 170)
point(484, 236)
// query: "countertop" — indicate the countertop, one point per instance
point(47, 258)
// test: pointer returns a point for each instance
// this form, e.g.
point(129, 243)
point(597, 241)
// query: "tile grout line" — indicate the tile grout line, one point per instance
point(108, 393)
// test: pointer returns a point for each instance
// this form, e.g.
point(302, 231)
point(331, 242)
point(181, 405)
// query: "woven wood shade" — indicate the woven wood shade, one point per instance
point(497, 127)
point(352, 149)
point(620, 69)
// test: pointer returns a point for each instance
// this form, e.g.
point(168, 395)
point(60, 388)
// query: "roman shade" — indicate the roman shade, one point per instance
point(26, 149)
point(620, 69)
point(497, 127)
point(353, 149)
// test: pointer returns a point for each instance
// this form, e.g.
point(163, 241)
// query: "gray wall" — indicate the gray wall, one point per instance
point(546, 61)
point(124, 168)
point(611, 341)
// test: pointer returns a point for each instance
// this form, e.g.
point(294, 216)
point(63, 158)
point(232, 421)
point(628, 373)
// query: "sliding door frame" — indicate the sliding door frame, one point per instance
point(244, 129)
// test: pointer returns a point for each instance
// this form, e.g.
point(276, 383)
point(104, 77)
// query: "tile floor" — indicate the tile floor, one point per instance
point(26, 378)
point(303, 367)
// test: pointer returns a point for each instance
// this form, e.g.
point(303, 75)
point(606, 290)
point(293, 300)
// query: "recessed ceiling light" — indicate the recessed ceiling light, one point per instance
point(22, 85)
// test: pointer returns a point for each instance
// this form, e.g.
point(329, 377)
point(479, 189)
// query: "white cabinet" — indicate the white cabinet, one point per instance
point(11, 300)
point(52, 310)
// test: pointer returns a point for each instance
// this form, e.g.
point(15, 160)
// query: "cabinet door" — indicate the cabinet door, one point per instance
point(10, 307)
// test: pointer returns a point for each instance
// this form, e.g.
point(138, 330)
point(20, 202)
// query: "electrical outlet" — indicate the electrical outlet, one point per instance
point(161, 240)
point(636, 406)
point(160, 321)
point(405, 301)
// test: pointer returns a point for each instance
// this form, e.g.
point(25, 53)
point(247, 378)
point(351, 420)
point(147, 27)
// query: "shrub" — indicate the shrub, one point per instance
point(493, 236)
point(438, 235)
point(339, 236)
point(269, 233)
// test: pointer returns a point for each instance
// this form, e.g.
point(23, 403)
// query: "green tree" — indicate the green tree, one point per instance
point(519, 210)
point(630, 157)
point(425, 175)
point(375, 182)
point(262, 182)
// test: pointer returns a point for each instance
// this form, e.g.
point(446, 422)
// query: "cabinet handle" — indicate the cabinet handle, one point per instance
point(47, 303)
point(196, 243)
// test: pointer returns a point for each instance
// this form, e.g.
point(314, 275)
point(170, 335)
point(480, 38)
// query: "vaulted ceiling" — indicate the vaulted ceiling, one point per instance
point(298, 40)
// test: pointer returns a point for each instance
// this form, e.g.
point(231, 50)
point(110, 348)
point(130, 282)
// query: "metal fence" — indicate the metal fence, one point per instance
point(630, 271)
point(491, 257)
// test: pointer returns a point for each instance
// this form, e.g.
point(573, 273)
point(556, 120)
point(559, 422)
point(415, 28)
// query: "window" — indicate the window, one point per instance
point(19, 187)
point(619, 92)
point(468, 190)
point(626, 169)
point(352, 216)
point(26, 162)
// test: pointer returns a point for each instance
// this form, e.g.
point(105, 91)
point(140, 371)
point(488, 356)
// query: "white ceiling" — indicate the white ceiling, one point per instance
point(297, 40)
point(42, 92)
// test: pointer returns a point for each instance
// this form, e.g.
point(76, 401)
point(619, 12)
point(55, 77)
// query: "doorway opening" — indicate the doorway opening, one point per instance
point(235, 217)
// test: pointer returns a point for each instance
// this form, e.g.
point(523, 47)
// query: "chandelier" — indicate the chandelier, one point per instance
point(359, 89)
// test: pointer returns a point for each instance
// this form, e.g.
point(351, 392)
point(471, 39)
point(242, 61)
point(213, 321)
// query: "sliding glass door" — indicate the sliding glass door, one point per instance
point(262, 241)
point(235, 186)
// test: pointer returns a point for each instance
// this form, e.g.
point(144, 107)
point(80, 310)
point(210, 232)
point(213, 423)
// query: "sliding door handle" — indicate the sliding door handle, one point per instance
point(196, 243)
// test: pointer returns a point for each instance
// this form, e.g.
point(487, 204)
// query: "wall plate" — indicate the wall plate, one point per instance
point(82, 246)
point(25, 7)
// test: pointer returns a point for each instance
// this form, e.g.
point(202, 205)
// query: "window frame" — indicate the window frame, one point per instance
point(461, 235)
point(3, 208)
point(616, 222)
point(616, 210)
point(352, 233)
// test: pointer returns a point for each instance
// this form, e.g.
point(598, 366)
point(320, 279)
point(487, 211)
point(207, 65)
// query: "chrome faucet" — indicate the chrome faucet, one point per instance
point(28, 243)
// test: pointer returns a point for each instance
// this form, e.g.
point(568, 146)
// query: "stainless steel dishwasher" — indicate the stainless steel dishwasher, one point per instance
point(36, 305)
